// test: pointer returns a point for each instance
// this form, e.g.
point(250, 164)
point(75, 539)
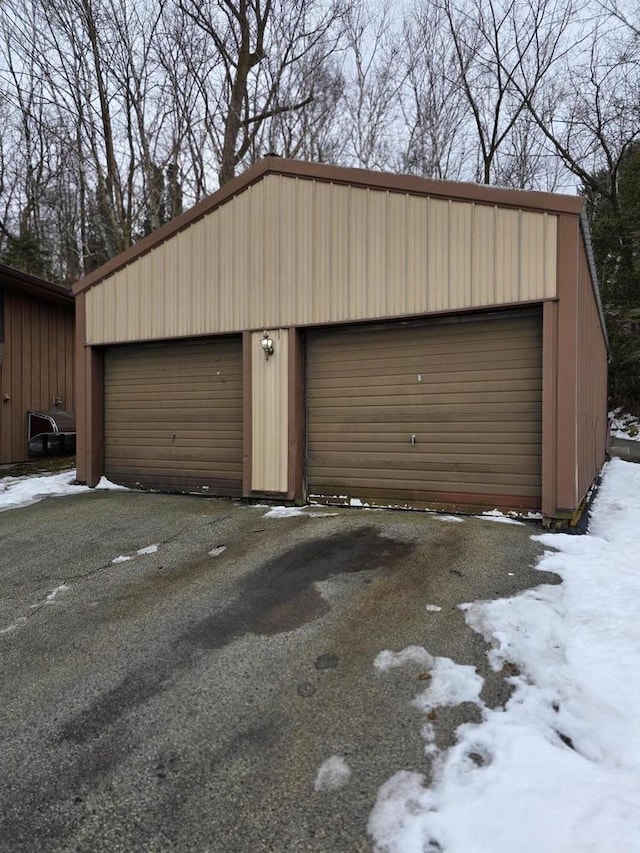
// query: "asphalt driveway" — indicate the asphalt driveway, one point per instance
point(184, 700)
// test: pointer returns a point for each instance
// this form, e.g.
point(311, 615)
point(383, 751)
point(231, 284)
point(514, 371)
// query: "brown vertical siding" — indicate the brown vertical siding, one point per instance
point(296, 416)
point(592, 382)
point(37, 365)
point(580, 376)
point(89, 406)
point(95, 396)
point(83, 421)
point(549, 408)
point(247, 415)
point(567, 365)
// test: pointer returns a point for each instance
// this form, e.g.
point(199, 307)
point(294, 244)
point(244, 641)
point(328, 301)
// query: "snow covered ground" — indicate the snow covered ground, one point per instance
point(557, 770)
point(624, 425)
point(21, 491)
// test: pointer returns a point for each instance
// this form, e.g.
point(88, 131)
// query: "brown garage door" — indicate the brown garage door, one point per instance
point(446, 414)
point(173, 416)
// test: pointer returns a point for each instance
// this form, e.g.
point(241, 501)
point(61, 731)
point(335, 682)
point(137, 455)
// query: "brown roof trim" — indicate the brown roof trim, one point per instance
point(591, 263)
point(410, 184)
point(37, 288)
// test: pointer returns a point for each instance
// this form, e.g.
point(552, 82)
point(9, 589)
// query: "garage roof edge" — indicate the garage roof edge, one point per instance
point(386, 181)
point(588, 246)
point(34, 286)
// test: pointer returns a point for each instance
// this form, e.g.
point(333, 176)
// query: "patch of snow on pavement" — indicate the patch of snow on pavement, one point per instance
point(432, 608)
point(22, 620)
point(219, 549)
point(103, 483)
point(122, 559)
point(291, 511)
point(149, 549)
point(284, 512)
point(332, 774)
point(52, 595)
point(412, 654)
point(451, 518)
point(558, 768)
point(496, 515)
point(22, 491)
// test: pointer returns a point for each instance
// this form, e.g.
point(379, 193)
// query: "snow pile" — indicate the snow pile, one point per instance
point(332, 774)
point(22, 491)
point(558, 768)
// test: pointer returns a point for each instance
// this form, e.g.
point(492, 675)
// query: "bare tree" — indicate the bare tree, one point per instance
point(318, 131)
point(504, 49)
point(590, 113)
point(256, 43)
point(374, 77)
point(432, 98)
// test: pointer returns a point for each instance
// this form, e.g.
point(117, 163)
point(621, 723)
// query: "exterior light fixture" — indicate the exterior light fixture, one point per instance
point(267, 345)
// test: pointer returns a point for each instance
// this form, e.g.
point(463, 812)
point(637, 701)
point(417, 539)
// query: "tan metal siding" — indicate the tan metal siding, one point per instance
point(290, 252)
point(270, 414)
point(37, 365)
point(470, 392)
point(592, 424)
point(173, 416)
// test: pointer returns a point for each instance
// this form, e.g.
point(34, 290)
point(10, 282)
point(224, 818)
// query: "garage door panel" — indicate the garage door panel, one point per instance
point(529, 378)
point(173, 416)
point(186, 391)
point(476, 411)
point(440, 481)
point(446, 462)
point(159, 417)
point(423, 414)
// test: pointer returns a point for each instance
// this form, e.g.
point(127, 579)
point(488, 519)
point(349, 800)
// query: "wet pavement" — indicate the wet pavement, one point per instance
point(625, 448)
point(180, 700)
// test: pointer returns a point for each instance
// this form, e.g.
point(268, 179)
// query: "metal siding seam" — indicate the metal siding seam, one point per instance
point(319, 294)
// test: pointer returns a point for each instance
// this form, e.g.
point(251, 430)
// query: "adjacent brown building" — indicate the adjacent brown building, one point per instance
point(36, 355)
point(312, 332)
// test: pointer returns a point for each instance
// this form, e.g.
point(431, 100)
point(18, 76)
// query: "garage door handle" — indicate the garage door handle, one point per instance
point(412, 438)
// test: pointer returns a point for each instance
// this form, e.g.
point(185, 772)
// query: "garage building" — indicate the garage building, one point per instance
point(316, 333)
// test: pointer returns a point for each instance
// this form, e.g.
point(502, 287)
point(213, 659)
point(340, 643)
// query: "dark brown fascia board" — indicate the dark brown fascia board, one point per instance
point(591, 263)
point(409, 184)
point(34, 286)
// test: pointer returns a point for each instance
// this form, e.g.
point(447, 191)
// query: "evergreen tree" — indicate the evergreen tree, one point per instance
point(25, 252)
point(615, 228)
